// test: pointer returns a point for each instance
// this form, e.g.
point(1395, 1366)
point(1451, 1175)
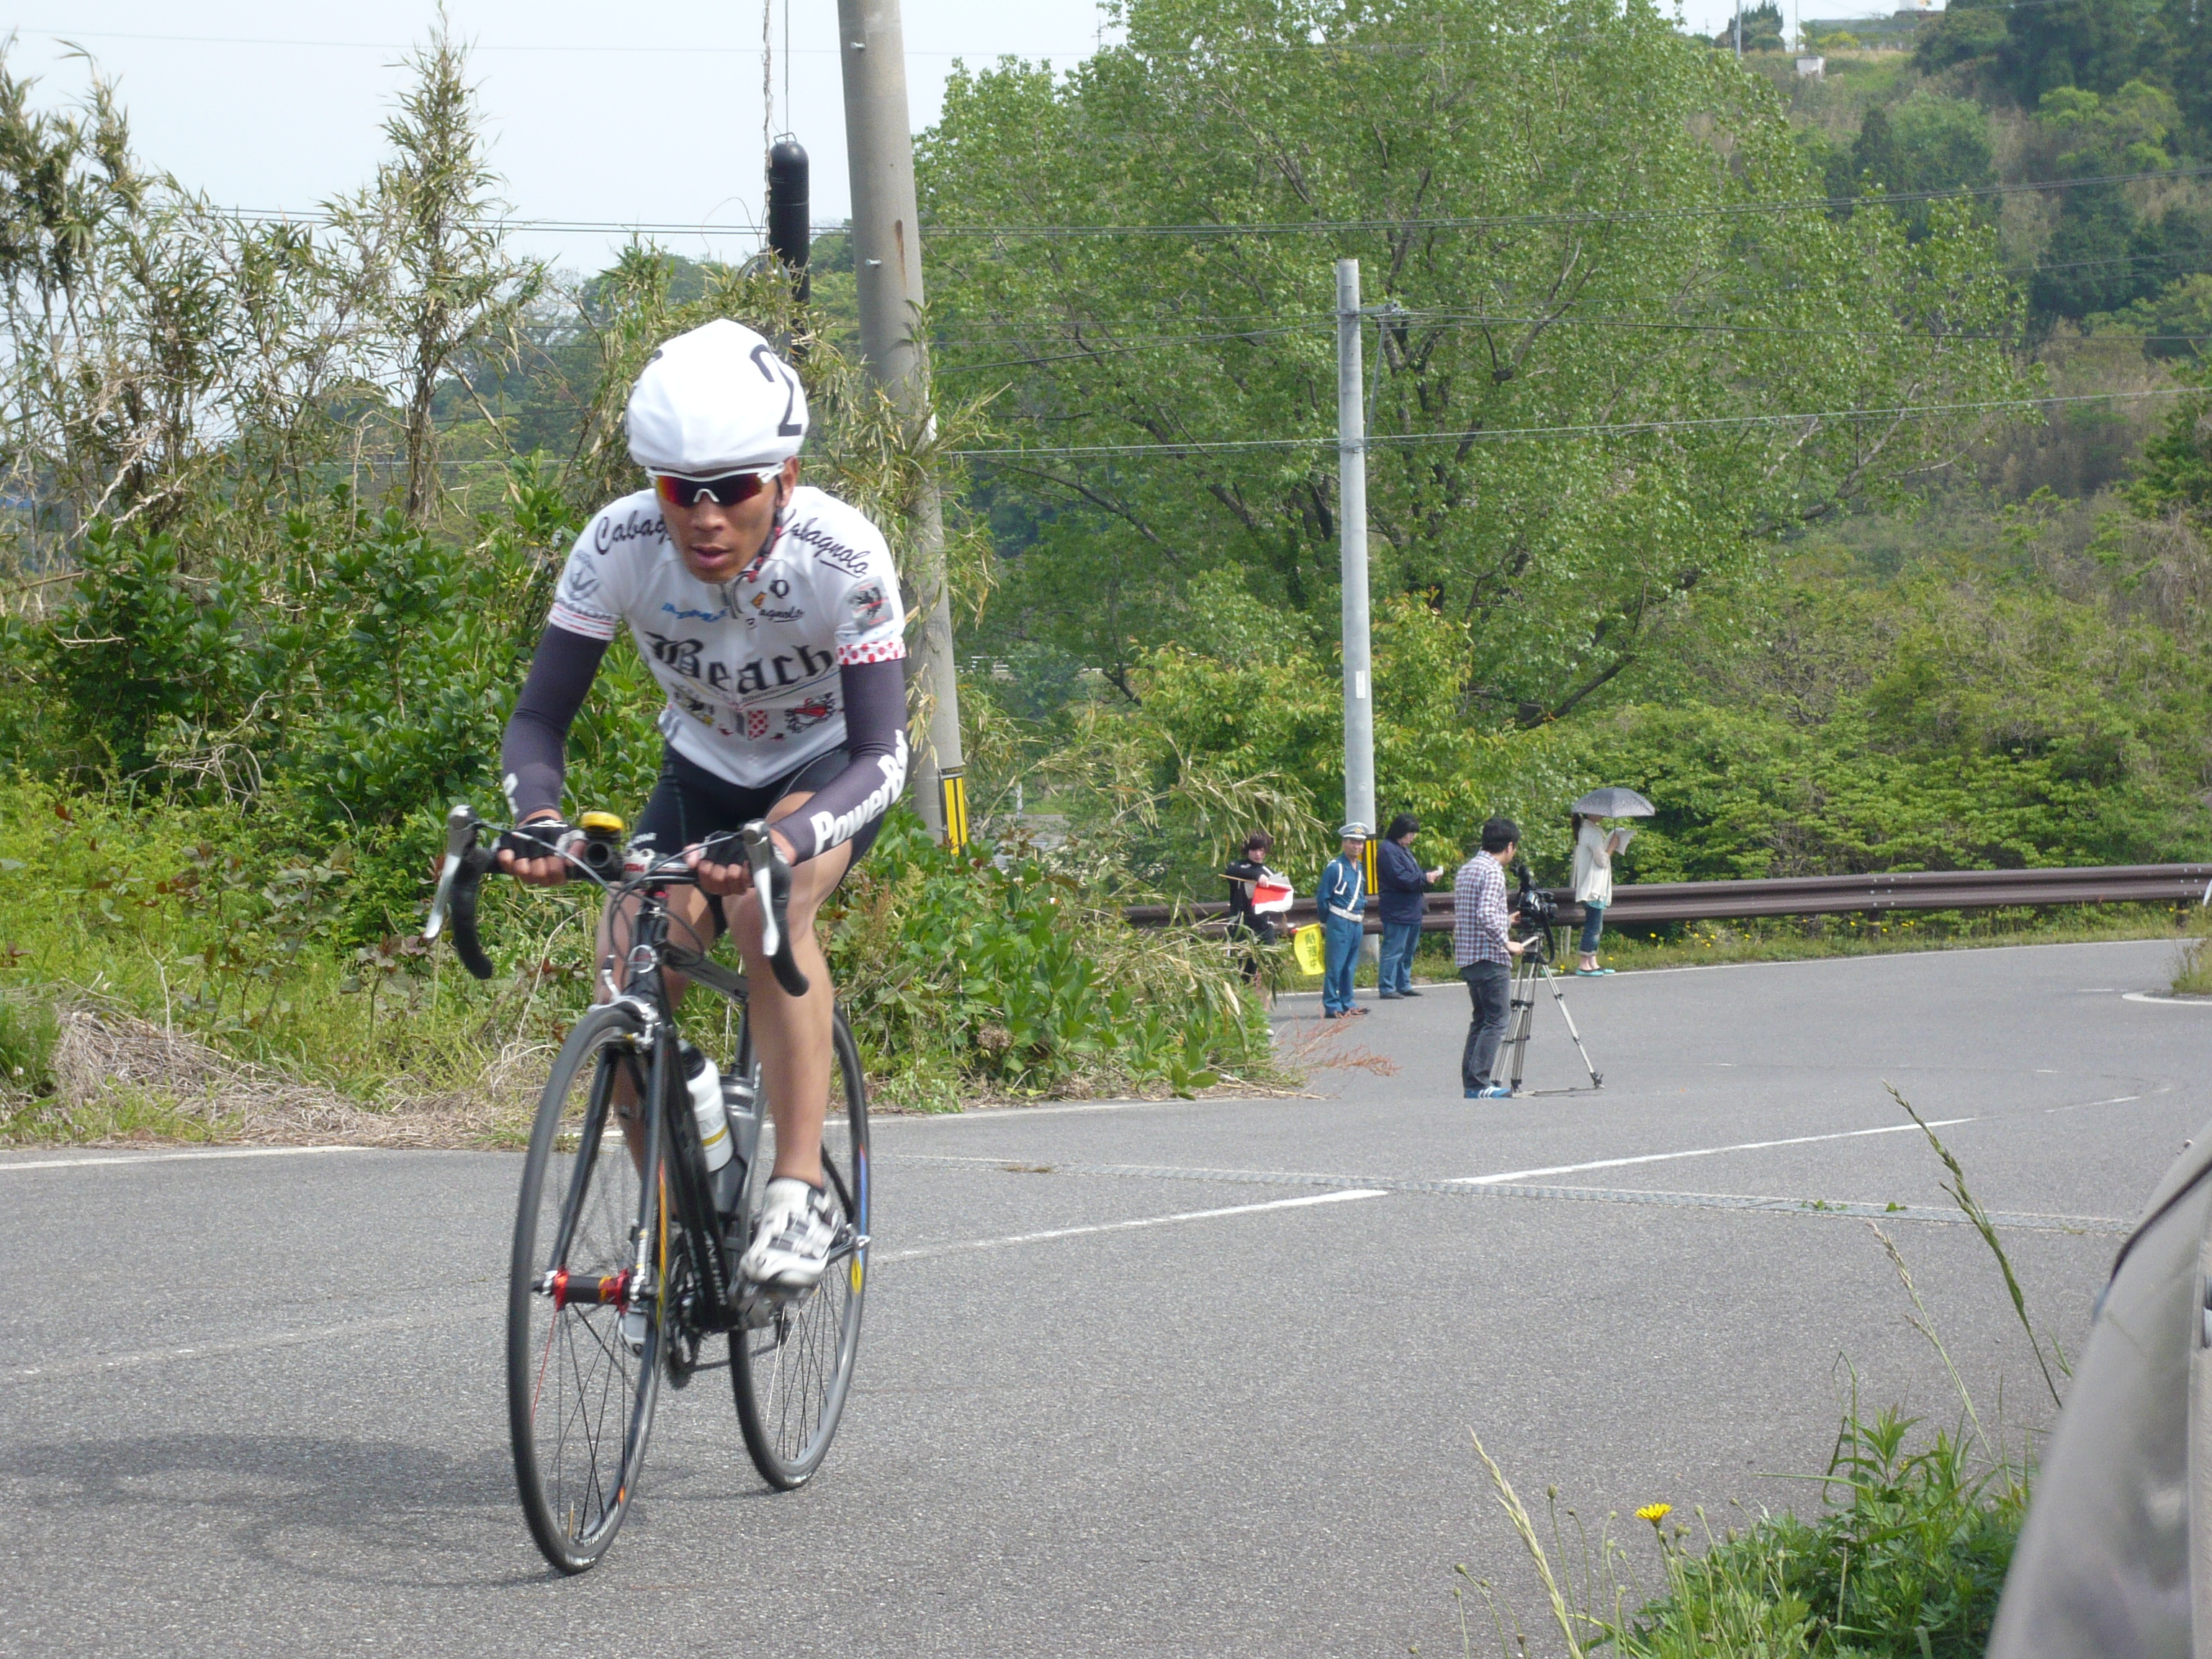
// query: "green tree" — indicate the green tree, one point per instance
point(1761, 25)
point(159, 356)
point(1561, 208)
point(1965, 32)
point(2176, 474)
point(2105, 253)
point(2176, 322)
point(429, 265)
point(2097, 45)
point(1928, 142)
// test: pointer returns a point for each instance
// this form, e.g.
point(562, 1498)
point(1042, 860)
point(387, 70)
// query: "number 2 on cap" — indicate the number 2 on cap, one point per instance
point(767, 366)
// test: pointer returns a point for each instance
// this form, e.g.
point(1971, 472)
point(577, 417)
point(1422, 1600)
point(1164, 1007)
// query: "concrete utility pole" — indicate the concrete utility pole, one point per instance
point(887, 265)
point(1351, 528)
point(1739, 30)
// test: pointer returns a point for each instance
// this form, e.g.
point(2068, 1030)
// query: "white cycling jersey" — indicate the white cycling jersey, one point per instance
point(750, 665)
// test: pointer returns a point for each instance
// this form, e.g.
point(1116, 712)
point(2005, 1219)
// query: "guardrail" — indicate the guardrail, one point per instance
point(1646, 902)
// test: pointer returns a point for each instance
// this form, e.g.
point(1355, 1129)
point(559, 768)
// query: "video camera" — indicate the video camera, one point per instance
point(1536, 911)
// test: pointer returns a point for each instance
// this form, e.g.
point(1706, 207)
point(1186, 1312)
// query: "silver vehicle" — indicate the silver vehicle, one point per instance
point(2116, 1559)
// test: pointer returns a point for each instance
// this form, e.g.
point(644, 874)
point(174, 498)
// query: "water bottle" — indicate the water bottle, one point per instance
point(704, 1084)
point(737, 1096)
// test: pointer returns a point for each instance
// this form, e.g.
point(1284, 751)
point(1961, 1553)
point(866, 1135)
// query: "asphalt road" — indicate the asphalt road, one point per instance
point(252, 1403)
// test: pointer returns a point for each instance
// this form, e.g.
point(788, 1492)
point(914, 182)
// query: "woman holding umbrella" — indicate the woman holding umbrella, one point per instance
point(1595, 850)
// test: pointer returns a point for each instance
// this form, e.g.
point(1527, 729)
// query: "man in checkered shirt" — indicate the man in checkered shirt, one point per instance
point(1485, 954)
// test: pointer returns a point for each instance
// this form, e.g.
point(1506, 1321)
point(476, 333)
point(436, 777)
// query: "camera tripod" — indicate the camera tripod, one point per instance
point(1532, 962)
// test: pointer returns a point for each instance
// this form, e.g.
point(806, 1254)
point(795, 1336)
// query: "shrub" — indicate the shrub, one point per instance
point(27, 1033)
point(960, 971)
point(1911, 1564)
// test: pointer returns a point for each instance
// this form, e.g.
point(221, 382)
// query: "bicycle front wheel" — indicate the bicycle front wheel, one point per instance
point(583, 1332)
point(791, 1362)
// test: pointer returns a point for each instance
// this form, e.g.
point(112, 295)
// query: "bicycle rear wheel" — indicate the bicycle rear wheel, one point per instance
point(791, 1363)
point(580, 1389)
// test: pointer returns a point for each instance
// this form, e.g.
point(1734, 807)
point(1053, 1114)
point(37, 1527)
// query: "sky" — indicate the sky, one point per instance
point(650, 115)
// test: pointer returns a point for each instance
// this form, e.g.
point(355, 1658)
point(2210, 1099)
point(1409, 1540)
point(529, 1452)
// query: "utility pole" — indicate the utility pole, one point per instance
point(1738, 31)
point(887, 269)
point(1351, 528)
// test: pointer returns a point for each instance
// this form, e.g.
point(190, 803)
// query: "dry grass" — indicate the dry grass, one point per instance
point(117, 1078)
point(1328, 1046)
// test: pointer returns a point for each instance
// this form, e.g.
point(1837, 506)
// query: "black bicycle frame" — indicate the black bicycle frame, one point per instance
point(671, 1132)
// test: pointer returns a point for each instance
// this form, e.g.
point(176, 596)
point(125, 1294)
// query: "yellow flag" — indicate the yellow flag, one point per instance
point(1306, 942)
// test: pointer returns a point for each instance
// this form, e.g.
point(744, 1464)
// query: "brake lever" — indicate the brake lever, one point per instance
point(760, 854)
point(772, 879)
point(462, 826)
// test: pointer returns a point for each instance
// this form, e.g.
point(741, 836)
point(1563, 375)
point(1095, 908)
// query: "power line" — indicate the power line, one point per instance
point(1498, 434)
point(1483, 221)
point(1732, 210)
point(687, 50)
point(1477, 320)
point(323, 216)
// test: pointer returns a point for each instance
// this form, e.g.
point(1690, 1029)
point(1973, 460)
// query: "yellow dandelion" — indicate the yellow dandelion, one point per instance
point(1655, 1513)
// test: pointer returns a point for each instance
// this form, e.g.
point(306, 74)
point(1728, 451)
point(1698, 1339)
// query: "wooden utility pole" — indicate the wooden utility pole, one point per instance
point(887, 267)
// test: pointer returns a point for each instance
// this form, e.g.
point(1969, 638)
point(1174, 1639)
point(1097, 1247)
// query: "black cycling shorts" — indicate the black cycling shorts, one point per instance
point(690, 802)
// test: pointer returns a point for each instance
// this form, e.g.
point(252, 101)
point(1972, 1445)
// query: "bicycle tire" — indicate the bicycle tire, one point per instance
point(792, 1372)
point(573, 1380)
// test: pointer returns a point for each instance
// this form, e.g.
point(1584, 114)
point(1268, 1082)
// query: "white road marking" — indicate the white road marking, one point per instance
point(1702, 1152)
point(1891, 1209)
point(176, 1158)
point(2166, 1001)
point(1338, 1196)
point(981, 1114)
point(1753, 1146)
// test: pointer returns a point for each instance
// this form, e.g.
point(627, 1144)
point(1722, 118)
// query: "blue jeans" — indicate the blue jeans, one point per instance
point(1593, 925)
point(1341, 952)
point(1398, 939)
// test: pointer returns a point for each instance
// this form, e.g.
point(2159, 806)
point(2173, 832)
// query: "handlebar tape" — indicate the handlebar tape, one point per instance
point(468, 881)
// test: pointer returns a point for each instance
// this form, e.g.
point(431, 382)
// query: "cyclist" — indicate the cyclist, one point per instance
point(769, 613)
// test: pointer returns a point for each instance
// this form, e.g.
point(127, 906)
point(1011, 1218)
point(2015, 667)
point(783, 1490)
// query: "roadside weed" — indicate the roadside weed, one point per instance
point(1906, 1559)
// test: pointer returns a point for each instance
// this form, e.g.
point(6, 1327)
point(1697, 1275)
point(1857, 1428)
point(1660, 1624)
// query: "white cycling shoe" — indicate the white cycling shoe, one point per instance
point(792, 1239)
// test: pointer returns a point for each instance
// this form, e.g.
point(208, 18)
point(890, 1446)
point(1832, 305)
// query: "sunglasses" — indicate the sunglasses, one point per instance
point(727, 490)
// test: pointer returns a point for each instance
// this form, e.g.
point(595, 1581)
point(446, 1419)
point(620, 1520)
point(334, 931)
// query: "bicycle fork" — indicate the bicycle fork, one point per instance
point(649, 1238)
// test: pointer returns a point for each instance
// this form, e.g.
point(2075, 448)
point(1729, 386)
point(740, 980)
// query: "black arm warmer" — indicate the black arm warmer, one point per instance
point(533, 755)
point(874, 695)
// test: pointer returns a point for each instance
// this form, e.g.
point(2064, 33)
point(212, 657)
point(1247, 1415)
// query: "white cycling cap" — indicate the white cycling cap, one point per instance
point(713, 401)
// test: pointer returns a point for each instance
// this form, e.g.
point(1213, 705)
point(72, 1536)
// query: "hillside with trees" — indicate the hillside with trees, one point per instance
point(1967, 640)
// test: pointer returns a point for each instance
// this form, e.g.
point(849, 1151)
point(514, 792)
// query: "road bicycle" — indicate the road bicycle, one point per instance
point(624, 1266)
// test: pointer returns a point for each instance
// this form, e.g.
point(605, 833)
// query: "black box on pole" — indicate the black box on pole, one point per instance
point(790, 230)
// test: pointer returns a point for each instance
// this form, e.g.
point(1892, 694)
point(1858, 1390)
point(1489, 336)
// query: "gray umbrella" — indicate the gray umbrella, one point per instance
point(1615, 803)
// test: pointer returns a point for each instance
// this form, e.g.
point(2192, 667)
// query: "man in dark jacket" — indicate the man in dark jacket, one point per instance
point(1402, 881)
